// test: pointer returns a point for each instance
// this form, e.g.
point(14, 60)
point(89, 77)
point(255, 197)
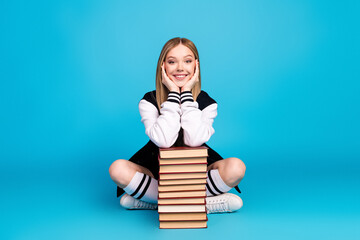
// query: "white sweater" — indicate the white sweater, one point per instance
point(179, 111)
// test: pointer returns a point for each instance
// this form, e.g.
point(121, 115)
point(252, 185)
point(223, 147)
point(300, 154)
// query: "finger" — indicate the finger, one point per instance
point(196, 73)
point(163, 71)
point(165, 76)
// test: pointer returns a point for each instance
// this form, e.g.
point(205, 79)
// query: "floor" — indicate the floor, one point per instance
point(73, 204)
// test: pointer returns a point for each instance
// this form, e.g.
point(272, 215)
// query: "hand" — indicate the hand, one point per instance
point(193, 80)
point(167, 81)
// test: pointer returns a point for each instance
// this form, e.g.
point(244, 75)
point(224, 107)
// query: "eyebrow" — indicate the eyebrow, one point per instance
point(184, 57)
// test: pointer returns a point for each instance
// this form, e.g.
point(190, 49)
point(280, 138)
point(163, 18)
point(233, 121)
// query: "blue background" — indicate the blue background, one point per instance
point(284, 73)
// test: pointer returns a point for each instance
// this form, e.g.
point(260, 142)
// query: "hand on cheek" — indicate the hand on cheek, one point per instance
point(193, 80)
point(171, 86)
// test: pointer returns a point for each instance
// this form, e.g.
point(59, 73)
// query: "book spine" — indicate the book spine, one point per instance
point(162, 178)
point(182, 190)
point(181, 204)
point(181, 220)
point(181, 172)
point(172, 164)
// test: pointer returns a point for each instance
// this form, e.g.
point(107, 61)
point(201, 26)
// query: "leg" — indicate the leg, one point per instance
point(231, 170)
point(222, 176)
point(137, 181)
point(122, 171)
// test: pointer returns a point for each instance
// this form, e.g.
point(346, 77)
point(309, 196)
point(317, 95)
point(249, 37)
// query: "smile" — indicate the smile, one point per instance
point(180, 76)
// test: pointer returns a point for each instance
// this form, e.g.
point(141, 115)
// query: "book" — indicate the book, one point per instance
point(181, 201)
point(196, 216)
point(184, 224)
point(183, 152)
point(170, 161)
point(179, 188)
point(188, 194)
point(172, 176)
point(182, 187)
point(193, 168)
point(181, 208)
point(182, 182)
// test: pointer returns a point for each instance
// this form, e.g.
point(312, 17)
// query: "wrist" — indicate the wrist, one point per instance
point(177, 90)
point(173, 97)
point(186, 96)
point(185, 90)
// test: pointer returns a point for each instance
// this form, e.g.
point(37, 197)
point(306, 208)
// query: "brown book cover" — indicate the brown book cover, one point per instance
point(171, 217)
point(187, 194)
point(184, 224)
point(181, 208)
point(182, 201)
point(177, 161)
point(188, 168)
point(173, 176)
point(183, 152)
point(182, 182)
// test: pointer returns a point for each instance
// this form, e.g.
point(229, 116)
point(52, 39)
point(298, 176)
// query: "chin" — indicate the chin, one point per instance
point(180, 85)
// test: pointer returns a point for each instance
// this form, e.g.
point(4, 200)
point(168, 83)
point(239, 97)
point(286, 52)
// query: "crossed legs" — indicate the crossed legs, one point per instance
point(231, 171)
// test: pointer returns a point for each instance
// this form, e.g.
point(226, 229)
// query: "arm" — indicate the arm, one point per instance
point(162, 129)
point(197, 124)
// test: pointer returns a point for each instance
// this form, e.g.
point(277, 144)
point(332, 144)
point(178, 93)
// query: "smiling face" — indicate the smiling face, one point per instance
point(180, 65)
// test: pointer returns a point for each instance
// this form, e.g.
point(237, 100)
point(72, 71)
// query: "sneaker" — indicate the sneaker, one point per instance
point(222, 203)
point(130, 202)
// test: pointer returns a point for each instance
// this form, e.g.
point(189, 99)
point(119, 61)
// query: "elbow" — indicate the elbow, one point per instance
point(163, 145)
point(194, 142)
point(162, 141)
point(198, 139)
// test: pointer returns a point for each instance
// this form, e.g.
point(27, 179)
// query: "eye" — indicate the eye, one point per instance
point(188, 61)
point(170, 62)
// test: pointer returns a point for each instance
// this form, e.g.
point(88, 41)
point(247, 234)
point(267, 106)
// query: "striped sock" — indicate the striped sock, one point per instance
point(143, 187)
point(214, 184)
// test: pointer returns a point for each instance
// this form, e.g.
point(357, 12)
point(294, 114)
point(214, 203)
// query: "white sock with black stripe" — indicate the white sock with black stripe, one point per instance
point(143, 187)
point(214, 184)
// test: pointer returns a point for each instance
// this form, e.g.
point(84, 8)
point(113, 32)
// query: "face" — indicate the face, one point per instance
point(180, 65)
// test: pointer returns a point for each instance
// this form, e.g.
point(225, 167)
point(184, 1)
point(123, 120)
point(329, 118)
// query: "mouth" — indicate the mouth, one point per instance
point(180, 76)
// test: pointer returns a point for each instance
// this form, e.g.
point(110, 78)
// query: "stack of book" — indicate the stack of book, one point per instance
point(182, 187)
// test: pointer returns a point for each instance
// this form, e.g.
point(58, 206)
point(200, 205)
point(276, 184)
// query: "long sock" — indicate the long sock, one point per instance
point(143, 187)
point(214, 183)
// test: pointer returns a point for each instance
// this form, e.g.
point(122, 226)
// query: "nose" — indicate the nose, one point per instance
point(180, 67)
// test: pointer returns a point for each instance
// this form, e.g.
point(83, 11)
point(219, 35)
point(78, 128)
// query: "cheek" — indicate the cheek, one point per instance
point(169, 68)
point(191, 68)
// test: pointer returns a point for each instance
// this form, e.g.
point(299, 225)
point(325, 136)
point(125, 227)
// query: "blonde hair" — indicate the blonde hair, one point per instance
point(161, 90)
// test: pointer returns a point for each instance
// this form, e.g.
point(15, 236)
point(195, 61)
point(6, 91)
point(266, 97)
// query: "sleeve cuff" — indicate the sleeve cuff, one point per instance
point(174, 97)
point(186, 97)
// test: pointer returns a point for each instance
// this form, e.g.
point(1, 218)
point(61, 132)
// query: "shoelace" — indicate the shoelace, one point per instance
point(219, 205)
point(142, 204)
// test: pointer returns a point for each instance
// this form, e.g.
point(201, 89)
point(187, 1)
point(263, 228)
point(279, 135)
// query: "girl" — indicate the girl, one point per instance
point(177, 113)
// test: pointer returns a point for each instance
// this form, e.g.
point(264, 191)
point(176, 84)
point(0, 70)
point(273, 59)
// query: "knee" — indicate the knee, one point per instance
point(118, 170)
point(236, 169)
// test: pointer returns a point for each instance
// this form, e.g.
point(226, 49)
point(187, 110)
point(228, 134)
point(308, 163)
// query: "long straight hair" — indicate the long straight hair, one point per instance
point(161, 90)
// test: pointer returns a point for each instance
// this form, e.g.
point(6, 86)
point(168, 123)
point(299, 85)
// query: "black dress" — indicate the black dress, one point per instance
point(147, 156)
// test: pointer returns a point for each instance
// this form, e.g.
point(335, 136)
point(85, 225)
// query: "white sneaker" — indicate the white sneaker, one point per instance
point(130, 202)
point(226, 202)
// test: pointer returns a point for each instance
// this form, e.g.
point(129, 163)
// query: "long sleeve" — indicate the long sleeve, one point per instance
point(197, 123)
point(162, 129)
